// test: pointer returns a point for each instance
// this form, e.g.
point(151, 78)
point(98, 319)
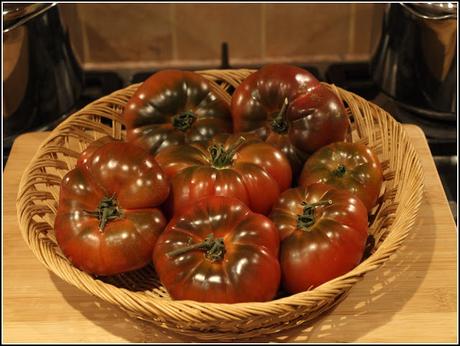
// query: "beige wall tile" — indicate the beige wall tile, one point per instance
point(366, 22)
point(201, 29)
point(377, 21)
point(127, 32)
point(307, 29)
point(71, 22)
point(189, 34)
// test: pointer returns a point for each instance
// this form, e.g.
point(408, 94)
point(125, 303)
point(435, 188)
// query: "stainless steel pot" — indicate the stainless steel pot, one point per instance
point(415, 60)
point(42, 79)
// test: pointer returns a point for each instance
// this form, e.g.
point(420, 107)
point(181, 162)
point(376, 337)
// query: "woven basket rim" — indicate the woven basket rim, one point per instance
point(373, 262)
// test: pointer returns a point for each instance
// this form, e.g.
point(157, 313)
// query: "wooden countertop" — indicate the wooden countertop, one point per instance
point(411, 298)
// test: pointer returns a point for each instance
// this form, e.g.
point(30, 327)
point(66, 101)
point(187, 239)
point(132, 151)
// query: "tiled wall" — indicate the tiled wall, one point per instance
point(192, 34)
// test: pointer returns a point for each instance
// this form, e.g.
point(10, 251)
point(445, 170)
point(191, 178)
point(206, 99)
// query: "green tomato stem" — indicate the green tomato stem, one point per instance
point(307, 218)
point(214, 247)
point(222, 158)
point(106, 211)
point(183, 121)
point(339, 171)
point(279, 123)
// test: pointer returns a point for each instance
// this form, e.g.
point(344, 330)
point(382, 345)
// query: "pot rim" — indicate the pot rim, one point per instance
point(19, 15)
point(437, 12)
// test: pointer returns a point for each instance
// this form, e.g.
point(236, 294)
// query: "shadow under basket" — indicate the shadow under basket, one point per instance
point(141, 294)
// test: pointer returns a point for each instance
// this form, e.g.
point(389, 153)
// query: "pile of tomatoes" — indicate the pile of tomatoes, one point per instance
point(231, 203)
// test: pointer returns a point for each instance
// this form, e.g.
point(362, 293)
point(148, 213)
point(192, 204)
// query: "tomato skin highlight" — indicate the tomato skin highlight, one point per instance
point(312, 117)
point(256, 173)
point(123, 182)
point(327, 242)
point(247, 271)
point(175, 107)
point(351, 166)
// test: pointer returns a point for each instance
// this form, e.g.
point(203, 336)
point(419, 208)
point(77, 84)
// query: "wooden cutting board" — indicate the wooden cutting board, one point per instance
point(412, 298)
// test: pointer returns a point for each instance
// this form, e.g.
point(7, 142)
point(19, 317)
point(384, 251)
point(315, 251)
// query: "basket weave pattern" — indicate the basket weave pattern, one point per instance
point(140, 293)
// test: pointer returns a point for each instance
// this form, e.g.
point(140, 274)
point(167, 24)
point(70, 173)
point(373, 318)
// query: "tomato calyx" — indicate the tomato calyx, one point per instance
point(214, 247)
point(339, 171)
point(106, 211)
point(183, 121)
point(279, 123)
point(307, 218)
point(220, 157)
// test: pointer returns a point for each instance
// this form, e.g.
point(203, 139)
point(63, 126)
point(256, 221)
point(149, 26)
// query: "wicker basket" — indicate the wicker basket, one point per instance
point(141, 294)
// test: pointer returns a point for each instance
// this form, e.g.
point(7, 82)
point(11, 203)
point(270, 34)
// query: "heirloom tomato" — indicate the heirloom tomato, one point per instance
point(107, 221)
point(228, 165)
point(217, 250)
point(175, 107)
point(290, 109)
point(323, 233)
point(351, 166)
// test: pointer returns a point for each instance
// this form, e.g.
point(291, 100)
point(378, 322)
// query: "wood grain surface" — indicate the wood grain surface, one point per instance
point(411, 298)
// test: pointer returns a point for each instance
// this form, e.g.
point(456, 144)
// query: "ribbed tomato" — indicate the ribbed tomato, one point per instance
point(107, 221)
point(175, 107)
point(229, 165)
point(290, 109)
point(217, 250)
point(323, 233)
point(351, 166)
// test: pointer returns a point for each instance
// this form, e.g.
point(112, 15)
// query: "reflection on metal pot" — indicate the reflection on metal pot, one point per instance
point(42, 79)
point(415, 61)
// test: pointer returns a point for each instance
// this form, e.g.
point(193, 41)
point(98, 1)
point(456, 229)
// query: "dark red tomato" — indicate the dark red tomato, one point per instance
point(289, 108)
point(219, 251)
point(323, 234)
point(107, 221)
point(350, 166)
point(228, 165)
point(175, 107)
